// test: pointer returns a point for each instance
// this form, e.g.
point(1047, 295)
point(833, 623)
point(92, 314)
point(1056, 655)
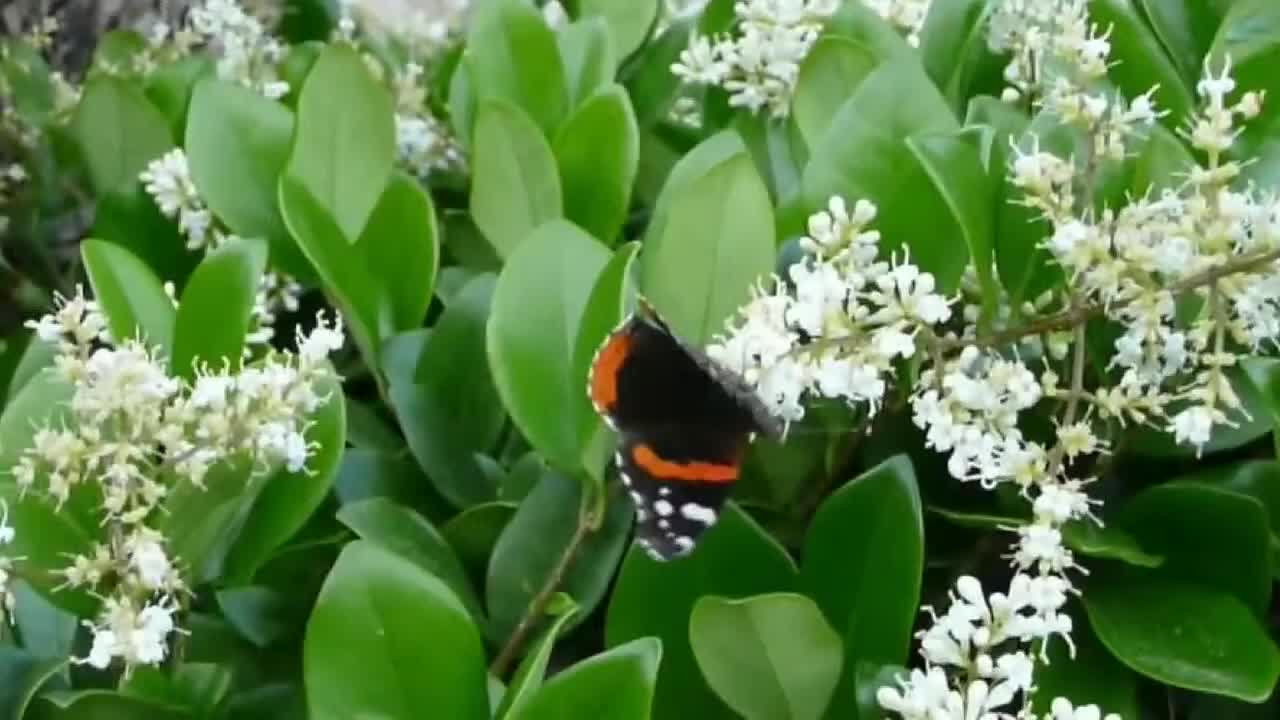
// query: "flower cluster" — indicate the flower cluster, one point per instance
point(838, 332)
point(167, 180)
point(131, 433)
point(758, 64)
point(424, 144)
point(1189, 274)
point(247, 54)
point(905, 15)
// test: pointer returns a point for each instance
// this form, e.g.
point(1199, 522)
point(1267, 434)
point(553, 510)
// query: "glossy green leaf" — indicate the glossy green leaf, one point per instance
point(201, 523)
point(608, 304)
point(515, 186)
point(262, 614)
point(648, 77)
point(237, 143)
point(862, 155)
point(532, 671)
point(402, 246)
point(1186, 30)
point(512, 55)
point(716, 240)
point(1081, 536)
point(829, 74)
point(735, 558)
point(22, 675)
point(1157, 442)
point(863, 560)
point(1186, 636)
point(1138, 62)
point(860, 23)
point(387, 639)
point(532, 544)
point(614, 685)
point(216, 306)
point(954, 48)
point(410, 536)
point(1162, 163)
point(46, 630)
point(129, 217)
point(118, 131)
point(474, 532)
point(1247, 35)
point(537, 311)
point(1208, 536)
point(628, 21)
point(1258, 479)
point(448, 406)
point(103, 705)
point(368, 473)
point(131, 295)
point(170, 88)
point(769, 656)
point(289, 499)
point(36, 356)
point(597, 152)
point(346, 275)
point(953, 164)
point(1089, 676)
point(589, 58)
point(344, 139)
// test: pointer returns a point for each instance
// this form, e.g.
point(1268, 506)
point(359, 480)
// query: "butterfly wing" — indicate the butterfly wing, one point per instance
point(678, 479)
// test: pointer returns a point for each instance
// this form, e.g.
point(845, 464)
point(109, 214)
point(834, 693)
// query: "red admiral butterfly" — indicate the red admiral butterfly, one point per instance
point(684, 423)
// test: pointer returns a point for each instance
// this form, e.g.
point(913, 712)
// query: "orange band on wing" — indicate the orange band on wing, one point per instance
point(604, 376)
point(707, 472)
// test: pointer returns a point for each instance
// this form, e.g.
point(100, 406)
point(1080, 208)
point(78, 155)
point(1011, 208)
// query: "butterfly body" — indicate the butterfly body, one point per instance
point(684, 423)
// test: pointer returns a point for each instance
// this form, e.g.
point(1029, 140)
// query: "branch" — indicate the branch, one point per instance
point(587, 524)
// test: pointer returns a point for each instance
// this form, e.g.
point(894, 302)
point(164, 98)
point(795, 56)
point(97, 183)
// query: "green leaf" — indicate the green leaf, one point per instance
point(128, 217)
point(648, 77)
point(589, 60)
point(515, 186)
point(629, 21)
point(237, 143)
point(103, 705)
point(716, 240)
point(344, 139)
point(768, 656)
point(597, 152)
point(614, 685)
point(171, 85)
point(22, 675)
point(216, 307)
point(1208, 536)
point(386, 639)
point(829, 74)
point(393, 474)
point(131, 295)
point(1089, 676)
point(1081, 536)
point(343, 268)
point(118, 131)
point(1138, 62)
point(512, 55)
point(863, 155)
point(863, 561)
point(1146, 440)
point(402, 245)
point(1163, 162)
point(953, 164)
point(1186, 636)
point(529, 676)
point(289, 499)
point(954, 50)
point(474, 532)
point(1185, 30)
point(1257, 479)
point(532, 544)
point(735, 558)
point(861, 24)
point(46, 631)
point(608, 304)
point(448, 407)
point(410, 536)
point(26, 74)
point(537, 312)
point(261, 614)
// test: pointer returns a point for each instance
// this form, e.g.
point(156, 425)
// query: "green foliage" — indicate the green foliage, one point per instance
point(458, 544)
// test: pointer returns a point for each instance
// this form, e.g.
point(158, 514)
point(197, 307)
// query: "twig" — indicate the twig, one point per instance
point(538, 605)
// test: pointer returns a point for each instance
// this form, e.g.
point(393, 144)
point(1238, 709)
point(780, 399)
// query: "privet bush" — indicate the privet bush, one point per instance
point(301, 307)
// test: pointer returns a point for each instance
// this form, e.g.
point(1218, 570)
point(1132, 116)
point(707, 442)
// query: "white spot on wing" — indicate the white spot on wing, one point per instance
point(663, 507)
point(684, 542)
point(663, 524)
point(698, 513)
point(664, 491)
point(638, 498)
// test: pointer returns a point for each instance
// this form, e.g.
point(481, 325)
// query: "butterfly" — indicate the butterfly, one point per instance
point(684, 423)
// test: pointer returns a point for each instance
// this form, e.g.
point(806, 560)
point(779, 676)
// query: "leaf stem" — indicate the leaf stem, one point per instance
point(587, 524)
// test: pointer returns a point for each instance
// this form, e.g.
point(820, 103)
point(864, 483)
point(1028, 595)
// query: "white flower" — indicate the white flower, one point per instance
point(1193, 426)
